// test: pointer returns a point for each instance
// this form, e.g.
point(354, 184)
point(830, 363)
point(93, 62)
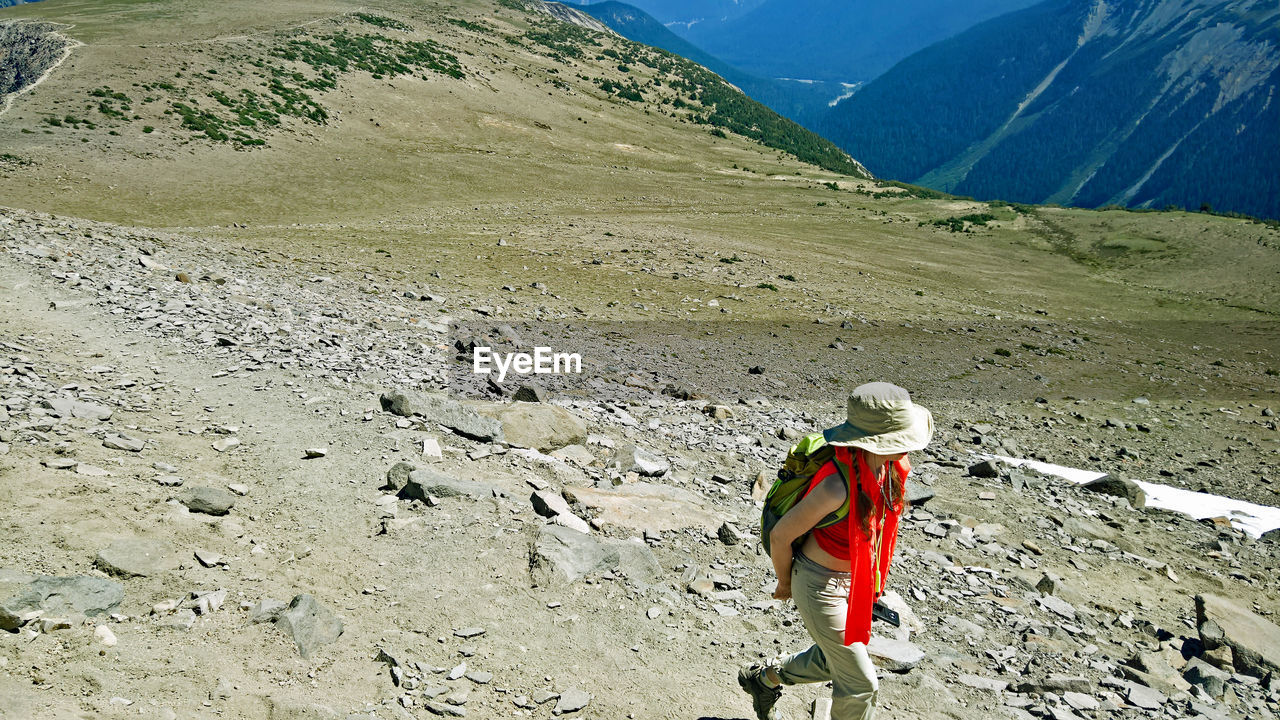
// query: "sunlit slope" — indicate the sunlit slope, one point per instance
point(320, 110)
point(424, 130)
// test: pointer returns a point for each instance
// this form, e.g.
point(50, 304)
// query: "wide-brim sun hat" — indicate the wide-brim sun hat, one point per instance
point(883, 420)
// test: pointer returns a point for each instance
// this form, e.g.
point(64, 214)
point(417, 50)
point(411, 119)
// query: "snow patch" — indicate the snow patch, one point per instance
point(1252, 518)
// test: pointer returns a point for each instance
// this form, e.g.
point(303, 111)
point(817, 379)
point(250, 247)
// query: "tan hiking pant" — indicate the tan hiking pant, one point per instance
point(822, 597)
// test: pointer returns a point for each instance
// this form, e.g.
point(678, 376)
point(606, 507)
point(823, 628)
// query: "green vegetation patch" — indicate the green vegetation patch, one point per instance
point(14, 160)
point(383, 22)
point(377, 55)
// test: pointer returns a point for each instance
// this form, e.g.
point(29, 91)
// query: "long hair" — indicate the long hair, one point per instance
point(893, 490)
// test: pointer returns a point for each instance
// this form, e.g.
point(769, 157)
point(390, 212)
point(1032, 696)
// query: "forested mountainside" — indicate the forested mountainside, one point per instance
point(838, 40)
point(1137, 102)
point(804, 103)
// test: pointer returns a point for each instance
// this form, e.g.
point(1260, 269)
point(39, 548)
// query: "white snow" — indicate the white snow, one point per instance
point(1249, 517)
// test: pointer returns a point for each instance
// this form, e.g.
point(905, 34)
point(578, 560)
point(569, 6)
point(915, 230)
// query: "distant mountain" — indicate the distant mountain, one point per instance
point(837, 40)
point(804, 103)
point(1084, 102)
point(680, 15)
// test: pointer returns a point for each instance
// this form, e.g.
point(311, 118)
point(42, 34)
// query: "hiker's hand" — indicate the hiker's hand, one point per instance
point(782, 592)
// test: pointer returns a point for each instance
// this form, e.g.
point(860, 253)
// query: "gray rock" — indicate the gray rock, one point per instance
point(267, 610)
point(541, 427)
point(918, 494)
point(446, 411)
point(894, 655)
point(69, 407)
point(1208, 677)
point(1254, 640)
point(571, 700)
point(728, 534)
point(549, 504)
point(309, 624)
point(1119, 487)
point(985, 469)
point(116, 441)
point(633, 458)
point(1056, 684)
point(425, 482)
point(1080, 701)
point(22, 594)
point(208, 500)
point(398, 475)
point(1145, 697)
point(137, 557)
point(982, 683)
point(562, 555)
point(964, 627)
point(530, 393)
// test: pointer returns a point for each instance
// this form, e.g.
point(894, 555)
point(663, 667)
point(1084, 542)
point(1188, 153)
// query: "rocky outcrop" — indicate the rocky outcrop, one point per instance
point(27, 51)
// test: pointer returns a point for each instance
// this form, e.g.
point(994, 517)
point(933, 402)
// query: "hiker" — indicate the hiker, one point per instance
point(837, 568)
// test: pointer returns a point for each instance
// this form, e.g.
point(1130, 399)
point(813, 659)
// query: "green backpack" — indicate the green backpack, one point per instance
point(804, 460)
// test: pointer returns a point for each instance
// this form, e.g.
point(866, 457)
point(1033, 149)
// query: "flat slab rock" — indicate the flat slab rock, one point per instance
point(22, 594)
point(1254, 640)
point(648, 506)
point(572, 700)
point(423, 483)
point(309, 624)
point(562, 555)
point(894, 655)
point(137, 557)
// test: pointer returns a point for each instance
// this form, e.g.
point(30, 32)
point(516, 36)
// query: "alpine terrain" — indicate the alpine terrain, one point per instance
point(260, 264)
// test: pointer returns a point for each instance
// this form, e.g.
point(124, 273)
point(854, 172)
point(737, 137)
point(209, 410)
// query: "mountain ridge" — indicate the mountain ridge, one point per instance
point(1199, 87)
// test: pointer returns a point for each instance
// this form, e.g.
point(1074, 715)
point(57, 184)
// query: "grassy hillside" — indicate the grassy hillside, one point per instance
point(488, 120)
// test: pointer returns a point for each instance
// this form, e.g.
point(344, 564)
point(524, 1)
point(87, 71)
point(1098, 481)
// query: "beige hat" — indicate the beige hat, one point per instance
point(883, 420)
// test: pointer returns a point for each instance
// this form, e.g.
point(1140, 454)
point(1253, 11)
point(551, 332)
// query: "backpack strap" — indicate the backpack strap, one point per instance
point(844, 471)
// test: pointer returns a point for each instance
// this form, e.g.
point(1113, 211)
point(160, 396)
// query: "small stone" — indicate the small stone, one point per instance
point(182, 620)
point(313, 453)
point(654, 613)
point(1033, 548)
point(238, 489)
point(480, 677)
point(469, 632)
point(169, 481)
point(530, 393)
point(457, 672)
point(209, 559)
point(104, 636)
point(226, 443)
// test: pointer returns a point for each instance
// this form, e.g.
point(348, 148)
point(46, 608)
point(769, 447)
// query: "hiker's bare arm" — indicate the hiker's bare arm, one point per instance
point(823, 500)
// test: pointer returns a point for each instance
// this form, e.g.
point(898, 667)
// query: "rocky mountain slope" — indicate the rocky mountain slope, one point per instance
point(249, 470)
point(838, 41)
point(1086, 103)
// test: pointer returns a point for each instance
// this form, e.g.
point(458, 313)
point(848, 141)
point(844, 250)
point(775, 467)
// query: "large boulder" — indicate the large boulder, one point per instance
point(562, 555)
point(444, 410)
point(541, 427)
point(1119, 487)
point(22, 594)
point(1254, 640)
point(425, 482)
point(137, 557)
point(309, 624)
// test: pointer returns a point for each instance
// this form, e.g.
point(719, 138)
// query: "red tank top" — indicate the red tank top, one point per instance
point(869, 558)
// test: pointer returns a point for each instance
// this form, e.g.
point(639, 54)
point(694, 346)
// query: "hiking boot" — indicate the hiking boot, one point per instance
point(763, 697)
